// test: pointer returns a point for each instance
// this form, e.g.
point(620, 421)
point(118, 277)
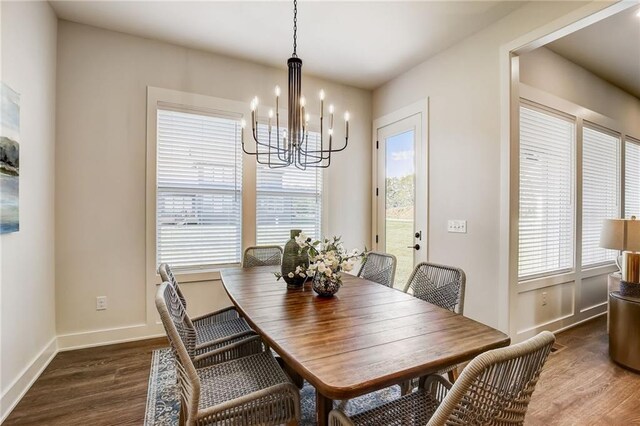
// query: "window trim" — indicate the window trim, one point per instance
point(623, 170)
point(526, 103)
point(195, 102)
point(531, 95)
point(161, 98)
point(621, 178)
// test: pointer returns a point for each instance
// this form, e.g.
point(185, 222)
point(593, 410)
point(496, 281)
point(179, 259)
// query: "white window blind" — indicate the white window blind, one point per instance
point(199, 189)
point(546, 226)
point(600, 191)
point(288, 198)
point(632, 178)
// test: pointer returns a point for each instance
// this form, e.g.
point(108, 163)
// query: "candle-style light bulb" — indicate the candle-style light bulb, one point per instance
point(331, 109)
point(277, 90)
point(243, 123)
point(346, 116)
point(303, 101)
point(256, 101)
point(253, 105)
point(306, 117)
point(322, 95)
point(330, 132)
point(270, 113)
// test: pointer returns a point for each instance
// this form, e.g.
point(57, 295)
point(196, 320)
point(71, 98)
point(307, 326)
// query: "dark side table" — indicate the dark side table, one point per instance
point(624, 331)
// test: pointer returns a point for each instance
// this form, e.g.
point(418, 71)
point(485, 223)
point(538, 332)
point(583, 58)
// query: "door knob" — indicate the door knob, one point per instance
point(416, 247)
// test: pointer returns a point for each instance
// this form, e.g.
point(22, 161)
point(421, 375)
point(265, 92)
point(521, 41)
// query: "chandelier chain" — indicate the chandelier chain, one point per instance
point(295, 27)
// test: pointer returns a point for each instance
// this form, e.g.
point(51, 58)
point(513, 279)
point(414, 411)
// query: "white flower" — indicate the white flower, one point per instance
point(302, 274)
point(301, 239)
point(298, 269)
point(321, 267)
point(290, 275)
point(328, 272)
point(347, 266)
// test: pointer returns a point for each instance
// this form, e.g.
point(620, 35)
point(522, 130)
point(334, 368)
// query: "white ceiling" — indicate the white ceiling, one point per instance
point(363, 44)
point(609, 48)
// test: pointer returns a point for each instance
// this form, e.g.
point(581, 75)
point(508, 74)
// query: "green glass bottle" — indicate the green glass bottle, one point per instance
point(293, 257)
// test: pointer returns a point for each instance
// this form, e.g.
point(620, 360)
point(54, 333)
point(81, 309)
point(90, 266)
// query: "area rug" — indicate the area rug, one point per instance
point(163, 405)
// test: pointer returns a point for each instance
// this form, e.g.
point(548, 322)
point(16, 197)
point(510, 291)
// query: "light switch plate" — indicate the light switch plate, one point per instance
point(457, 226)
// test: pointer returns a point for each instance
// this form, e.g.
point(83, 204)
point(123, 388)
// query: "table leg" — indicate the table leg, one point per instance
point(323, 406)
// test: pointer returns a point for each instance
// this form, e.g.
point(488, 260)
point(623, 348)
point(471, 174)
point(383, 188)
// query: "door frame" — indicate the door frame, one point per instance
point(420, 107)
point(571, 22)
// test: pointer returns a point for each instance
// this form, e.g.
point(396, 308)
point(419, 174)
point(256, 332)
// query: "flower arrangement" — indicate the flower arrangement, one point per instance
point(329, 256)
point(327, 259)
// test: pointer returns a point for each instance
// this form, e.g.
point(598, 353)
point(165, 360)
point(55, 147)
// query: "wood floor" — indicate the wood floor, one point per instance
point(108, 386)
point(98, 386)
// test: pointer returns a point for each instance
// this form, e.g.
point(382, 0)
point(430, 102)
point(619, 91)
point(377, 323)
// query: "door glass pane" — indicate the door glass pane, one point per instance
point(400, 202)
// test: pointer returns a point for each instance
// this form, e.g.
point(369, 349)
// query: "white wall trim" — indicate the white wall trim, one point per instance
point(593, 12)
point(110, 336)
point(68, 342)
point(558, 325)
point(27, 377)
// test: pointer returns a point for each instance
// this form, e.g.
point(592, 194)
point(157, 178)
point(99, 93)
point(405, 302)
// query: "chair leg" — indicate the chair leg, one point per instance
point(182, 418)
point(406, 387)
point(453, 375)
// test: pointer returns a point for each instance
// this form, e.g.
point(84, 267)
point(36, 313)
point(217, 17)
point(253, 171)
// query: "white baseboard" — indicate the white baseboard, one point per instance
point(26, 378)
point(67, 342)
point(559, 325)
point(110, 336)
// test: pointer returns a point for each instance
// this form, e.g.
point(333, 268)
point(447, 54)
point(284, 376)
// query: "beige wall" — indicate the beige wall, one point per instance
point(546, 70)
point(463, 86)
point(27, 338)
point(100, 180)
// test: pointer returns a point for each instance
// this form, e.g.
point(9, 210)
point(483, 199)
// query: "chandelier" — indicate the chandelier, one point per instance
point(278, 147)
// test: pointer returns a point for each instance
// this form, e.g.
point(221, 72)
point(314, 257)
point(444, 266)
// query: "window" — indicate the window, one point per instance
point(199, 188)
point(546, 236)
point(288, 198)
point(600, 191)
point(632, 178)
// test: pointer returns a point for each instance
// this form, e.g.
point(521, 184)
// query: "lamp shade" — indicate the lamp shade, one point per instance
point(620, 234)
point(612, 234)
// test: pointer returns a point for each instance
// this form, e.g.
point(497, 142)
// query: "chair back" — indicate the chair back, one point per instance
point(166, 274)
point(438, 284)
point(182, 337)
point(262, 256)
point(379, 268)
point(496, 387)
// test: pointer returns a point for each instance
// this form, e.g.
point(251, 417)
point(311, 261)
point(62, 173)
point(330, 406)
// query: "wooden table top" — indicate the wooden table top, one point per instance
point(365, 338)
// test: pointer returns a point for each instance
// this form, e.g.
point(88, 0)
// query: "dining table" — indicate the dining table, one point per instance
point(365, 338)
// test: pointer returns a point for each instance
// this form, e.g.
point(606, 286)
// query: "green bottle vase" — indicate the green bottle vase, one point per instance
point(292, 257)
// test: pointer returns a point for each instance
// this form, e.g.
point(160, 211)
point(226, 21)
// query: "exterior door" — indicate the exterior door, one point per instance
point(402, 194)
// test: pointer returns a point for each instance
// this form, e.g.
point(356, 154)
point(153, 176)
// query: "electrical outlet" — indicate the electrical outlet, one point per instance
point(101, 303)
point(544, 298)
point(457, 226)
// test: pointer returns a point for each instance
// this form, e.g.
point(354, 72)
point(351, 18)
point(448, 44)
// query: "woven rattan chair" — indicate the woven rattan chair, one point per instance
point(438, 284)
point(213, 330)
point(262, 256)
point(494, 389)
point(442, 286)
point(379, 268)
point(249, 389)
